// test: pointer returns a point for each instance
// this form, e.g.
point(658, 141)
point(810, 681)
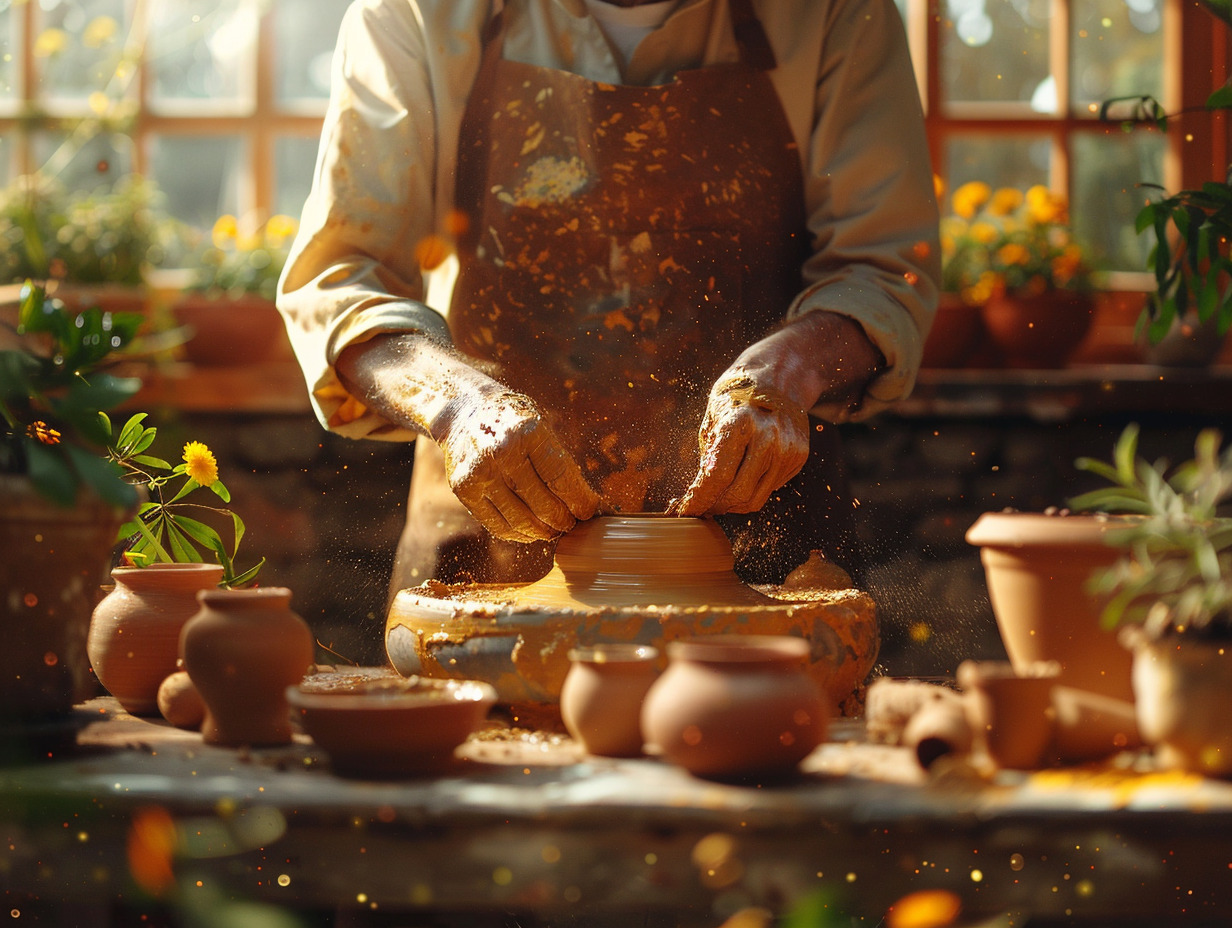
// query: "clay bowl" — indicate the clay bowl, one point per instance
point(390, 726)
point(635, 579)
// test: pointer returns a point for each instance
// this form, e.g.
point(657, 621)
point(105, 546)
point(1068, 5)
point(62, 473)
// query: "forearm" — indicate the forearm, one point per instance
point(413, 381)
point(821, 357)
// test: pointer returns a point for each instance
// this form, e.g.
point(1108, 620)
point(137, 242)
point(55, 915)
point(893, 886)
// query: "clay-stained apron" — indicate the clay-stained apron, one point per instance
point(624, 245)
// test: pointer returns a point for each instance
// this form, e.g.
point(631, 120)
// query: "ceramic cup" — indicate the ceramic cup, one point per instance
point(1011, 714)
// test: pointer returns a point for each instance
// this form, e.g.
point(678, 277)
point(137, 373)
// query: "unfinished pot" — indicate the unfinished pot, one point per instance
point(134, 639)
point(602, 696)
point(1182, 690)
point(736, 706)
point(635, 579)
point(242, 649)
point(1038, 568)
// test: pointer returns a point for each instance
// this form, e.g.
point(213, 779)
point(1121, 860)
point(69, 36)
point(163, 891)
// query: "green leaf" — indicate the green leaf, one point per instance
point(198, 531)
point(180, 545)
point(103, 477)
point(221, 491)
point(50, 473)
point(151, 461)
point(247, 577)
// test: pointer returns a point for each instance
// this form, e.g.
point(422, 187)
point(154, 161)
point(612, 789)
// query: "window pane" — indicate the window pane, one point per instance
point(203, 50)
point(304, 38)
point(84, 161)
point(10, 51)
point(201, 175)
point(1000, 161)
point(79, 48)
point(295, 160)
point(1107, 171)
point(1118, 50)
point(997, 51)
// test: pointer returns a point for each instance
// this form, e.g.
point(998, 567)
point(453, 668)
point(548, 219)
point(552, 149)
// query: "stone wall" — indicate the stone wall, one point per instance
point(326, 513)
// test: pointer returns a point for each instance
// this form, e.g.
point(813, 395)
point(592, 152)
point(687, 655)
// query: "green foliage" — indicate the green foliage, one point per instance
point(1175, 575)
point(54, 398)
point(109, 234)
point(162, 529)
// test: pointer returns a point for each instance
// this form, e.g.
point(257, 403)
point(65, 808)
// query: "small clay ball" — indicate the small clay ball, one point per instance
point(179, 701)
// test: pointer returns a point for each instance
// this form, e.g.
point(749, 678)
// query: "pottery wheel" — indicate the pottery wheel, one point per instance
point(647, 579)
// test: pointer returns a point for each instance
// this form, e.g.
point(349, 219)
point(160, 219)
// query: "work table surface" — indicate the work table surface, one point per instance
point(524, 822)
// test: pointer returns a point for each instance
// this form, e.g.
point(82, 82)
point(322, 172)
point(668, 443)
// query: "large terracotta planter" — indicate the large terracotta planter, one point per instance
point(230, 331)
point(956, 331)
point(53, 564)
point(1039, 331)
point(135, 631)
point(1038, 568)
point(1182, 691)
point(242, 650)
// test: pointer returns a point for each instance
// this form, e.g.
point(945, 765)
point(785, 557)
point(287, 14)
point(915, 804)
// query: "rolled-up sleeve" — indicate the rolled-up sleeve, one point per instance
point(353, 271)
point(872, 205)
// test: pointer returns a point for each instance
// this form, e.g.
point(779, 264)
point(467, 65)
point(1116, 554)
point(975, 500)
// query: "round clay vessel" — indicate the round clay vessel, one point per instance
point(601, 699)
point(1010, 713)
point(629, 579)
point(180, 703)
point(242, 649)
point(1038, 568)
point(733, 707)
point(134, 641)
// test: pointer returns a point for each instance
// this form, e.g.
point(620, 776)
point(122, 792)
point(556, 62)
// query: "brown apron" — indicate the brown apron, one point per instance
point(624, 245)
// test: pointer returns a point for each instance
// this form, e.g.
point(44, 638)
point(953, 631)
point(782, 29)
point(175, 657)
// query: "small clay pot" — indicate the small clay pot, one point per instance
point(736, 707)
point(242, 650)
point(602, 696)
point(1011, 714)
point(134, 638)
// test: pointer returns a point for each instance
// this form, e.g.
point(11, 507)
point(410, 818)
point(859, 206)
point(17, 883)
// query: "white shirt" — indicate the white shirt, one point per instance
point(385, 170)
point(626, 26)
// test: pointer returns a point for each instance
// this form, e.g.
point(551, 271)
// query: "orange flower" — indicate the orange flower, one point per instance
point(970, 197)
point(43, 433)
point(1005, 201)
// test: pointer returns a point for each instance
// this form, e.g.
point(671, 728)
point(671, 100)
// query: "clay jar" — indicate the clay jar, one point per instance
point(602, 696)
point(135, 630)
point(242, 649)
point(735, 706)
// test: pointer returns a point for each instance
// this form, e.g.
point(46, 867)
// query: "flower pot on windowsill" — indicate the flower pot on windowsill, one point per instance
point(956, 331)
point(230, 331)
point(1038, 330)
point(1188, 343)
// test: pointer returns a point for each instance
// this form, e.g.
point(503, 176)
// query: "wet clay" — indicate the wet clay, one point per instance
point(645, 579)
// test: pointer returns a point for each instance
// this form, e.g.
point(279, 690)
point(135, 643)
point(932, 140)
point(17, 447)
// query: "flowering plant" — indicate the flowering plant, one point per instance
point(54, 395)
point(1010, 241)
point(239, 261)
point(161, 529)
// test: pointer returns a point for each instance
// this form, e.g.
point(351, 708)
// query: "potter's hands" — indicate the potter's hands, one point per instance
point(753, 440)
point(502, 459)
point(754, 436)
point(506, 465)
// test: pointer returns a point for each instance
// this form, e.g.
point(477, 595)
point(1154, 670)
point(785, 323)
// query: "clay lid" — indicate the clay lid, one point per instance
point(641, 559)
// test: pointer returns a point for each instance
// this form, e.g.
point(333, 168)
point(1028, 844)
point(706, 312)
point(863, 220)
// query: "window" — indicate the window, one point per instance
point(1013, 89)
point(219, 101)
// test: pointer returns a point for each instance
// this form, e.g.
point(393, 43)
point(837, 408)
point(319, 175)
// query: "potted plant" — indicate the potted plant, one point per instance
point(1012, 253)
point(61, 500)
point(91, 247)
point(1170, 593)
point(229, 305)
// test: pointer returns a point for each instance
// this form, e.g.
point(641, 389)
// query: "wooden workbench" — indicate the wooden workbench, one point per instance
point(140, 822)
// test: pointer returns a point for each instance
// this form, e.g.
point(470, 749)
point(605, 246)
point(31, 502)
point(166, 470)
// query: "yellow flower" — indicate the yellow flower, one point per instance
point(99, 31)
point(1005, 201)
point(279, 229)
point(50, 43)
point(200, 464)
point(970, 197)
point(224, 232)
point(1012, 253)
point(1044, 206)
point(43, 433)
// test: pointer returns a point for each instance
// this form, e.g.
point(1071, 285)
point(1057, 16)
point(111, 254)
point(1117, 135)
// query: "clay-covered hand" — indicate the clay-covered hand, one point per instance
point(507, 466)
point(753, 440)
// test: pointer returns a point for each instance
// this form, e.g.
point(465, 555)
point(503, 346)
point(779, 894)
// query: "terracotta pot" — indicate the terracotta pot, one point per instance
point(956, 330)
point(1182, 691)
point(731, 706)
point(242, 650)
point(1010, 713)
point(1039, 331)
point(54, 562)
point(180, 703)
point(229, 331)
point(1187, 343)
point(135, 631)
point(602, 696)
point(1037, 567)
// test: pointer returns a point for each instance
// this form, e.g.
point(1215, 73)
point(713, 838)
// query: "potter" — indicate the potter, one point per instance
point(678, 242)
